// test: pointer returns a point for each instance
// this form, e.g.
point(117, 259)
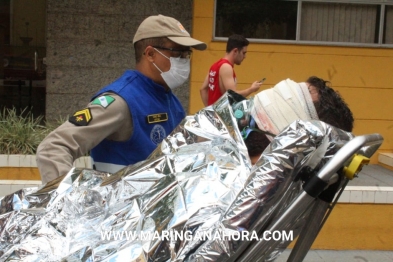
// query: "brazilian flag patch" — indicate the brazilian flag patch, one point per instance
point(81, 118)
point(103, 101)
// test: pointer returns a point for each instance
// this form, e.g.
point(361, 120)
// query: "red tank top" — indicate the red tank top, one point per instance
point(214, 81)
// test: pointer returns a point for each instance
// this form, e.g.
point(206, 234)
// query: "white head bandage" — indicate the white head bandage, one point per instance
point(277, 107)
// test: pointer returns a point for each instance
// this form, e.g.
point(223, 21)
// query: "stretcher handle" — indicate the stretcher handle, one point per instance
point(347, 152)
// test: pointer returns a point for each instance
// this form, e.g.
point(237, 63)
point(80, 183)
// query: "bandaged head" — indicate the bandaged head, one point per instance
point(275, 108)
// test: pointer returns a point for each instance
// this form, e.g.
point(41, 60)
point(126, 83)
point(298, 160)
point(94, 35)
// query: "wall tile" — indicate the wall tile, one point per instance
point(344, 198)
point(389, 199)
point(5, 189)
point(368, 196)
point(13, 161)
point(381, 197)
point(25, 160)
point(33, 161)
point(355, 197)
point(3, 160)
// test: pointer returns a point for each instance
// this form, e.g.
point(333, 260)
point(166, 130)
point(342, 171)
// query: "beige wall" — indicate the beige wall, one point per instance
point(363, 76)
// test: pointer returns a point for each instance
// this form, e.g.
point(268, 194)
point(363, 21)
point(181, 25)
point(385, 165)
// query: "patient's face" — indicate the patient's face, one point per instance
point(313, 92)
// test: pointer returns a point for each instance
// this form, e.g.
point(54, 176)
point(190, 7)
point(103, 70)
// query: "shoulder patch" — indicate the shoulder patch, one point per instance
point(81, 118)
point(103, 101)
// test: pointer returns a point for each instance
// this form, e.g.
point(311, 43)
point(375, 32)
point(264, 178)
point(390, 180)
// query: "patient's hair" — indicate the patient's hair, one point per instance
point(330, 107)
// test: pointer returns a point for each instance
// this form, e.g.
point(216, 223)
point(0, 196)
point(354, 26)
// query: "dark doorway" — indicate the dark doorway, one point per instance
point(22, 55)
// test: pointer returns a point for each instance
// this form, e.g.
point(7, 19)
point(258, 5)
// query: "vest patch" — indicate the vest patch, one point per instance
point(156, 118)
point(157, 134)
point(81, 118)
point(103, 101)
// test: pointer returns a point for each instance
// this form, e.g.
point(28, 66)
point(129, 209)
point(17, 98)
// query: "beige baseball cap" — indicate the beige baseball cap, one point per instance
point(161, 26)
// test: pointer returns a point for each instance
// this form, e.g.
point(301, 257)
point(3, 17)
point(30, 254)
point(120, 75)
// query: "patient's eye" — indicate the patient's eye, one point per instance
point(314, 93)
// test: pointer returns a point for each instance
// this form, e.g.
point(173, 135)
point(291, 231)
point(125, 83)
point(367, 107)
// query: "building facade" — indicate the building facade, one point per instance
point(57, 54)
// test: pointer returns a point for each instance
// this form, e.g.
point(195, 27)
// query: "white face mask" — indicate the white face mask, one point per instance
point(178, 73)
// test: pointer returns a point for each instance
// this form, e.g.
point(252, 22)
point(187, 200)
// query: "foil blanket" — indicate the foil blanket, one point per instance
point(200, 179)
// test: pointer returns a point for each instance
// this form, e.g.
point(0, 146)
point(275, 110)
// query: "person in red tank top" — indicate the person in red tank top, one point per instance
point(221, 76)
point(214, 91)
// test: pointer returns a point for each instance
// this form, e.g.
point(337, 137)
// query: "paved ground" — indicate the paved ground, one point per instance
point(342, 256)
point(373, 175)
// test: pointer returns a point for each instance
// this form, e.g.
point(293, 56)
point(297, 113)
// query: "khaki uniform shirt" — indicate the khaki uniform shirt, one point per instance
point(58, 151)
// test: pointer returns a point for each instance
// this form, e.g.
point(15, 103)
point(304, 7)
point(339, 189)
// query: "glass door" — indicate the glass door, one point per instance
point(22, 55)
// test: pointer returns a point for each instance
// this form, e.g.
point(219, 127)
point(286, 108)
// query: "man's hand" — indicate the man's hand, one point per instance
point(255, 86)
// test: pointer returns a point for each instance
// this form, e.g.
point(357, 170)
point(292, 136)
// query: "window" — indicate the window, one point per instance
point(332, 22)
point(388, 32)
point(265, 19)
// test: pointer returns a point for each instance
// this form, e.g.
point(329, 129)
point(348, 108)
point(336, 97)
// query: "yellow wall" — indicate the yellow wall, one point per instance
point(348, 229)
point(363, 76)
point(19, 173)
point(357, 227)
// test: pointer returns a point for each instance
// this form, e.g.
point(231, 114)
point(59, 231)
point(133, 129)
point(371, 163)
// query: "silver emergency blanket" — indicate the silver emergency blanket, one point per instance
point(200, 179)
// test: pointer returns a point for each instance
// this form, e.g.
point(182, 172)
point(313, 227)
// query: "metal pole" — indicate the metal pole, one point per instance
point(310, 231)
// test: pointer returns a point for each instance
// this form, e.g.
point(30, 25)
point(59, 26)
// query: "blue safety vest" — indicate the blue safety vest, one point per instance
point(149, 104)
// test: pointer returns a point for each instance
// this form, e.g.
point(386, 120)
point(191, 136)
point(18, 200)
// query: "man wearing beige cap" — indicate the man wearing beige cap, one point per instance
point(126, 120)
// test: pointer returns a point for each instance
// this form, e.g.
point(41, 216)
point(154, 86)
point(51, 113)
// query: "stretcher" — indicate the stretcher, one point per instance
point(319, 196)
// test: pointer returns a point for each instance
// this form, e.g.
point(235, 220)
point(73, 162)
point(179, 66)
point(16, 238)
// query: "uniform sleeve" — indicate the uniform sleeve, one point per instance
point(58, 151)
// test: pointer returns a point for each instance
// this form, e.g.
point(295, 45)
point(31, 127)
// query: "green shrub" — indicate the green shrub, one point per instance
point(21, 133)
